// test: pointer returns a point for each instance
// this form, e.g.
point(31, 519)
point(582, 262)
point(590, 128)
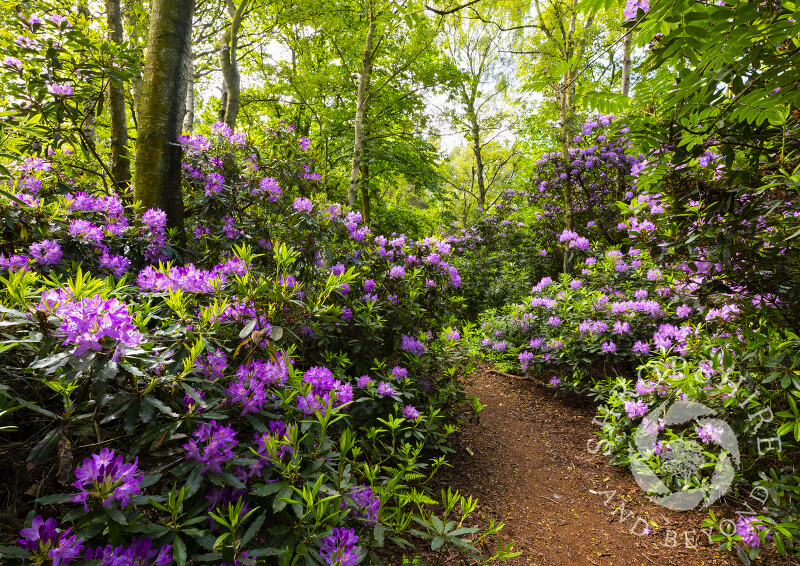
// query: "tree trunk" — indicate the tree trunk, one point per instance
point(188, 117)
point(365, 205)
point(626, 64)
point(230, 68)
point(158, 153)
point(120, 162)
point(223, 102)
point(476, 149)
point(361, 110)
point(88, 107)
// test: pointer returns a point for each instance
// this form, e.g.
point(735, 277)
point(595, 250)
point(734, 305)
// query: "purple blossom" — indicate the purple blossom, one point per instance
point(303, 204)
point(609, 348)
point(338, 549)
point(413, 346)
point(397, 272)
point(364, 381)
point(212, 445)
point(709, 433)
point(683, 311)
point(85, 231)
point(214, 183)
point(749, 532)
point(251, 387)
point(399, 372)
point(46, 252)
point(369, 285)
point(92, 319)
point(636, 408)
point(621, 327)
point(554, 321)
point(61, 90)
point(44, 540)
point(385, 389)
point(366, 503)
point(108, 478)
point(640, 347)
point(410, 412)
point(116, 264)
point(576, 283)
point(139, 553)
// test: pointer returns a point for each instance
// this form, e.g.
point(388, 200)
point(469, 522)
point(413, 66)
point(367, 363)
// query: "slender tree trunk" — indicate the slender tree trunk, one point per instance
point(120, 162)
point(361, 110)
point(158, 153)
point(476, 149)
point(365, 204)
point(230, 68)
point(626, 64)
point(88, 108)
point(223, 103)
point(188, 118)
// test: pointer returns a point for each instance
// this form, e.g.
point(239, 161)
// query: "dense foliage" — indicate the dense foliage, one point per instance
point(283, 391)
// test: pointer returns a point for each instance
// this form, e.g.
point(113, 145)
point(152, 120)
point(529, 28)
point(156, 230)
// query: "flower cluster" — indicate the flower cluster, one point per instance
point(322, 385)
point(92, 319)
point(252, 383)
point(212, 445)
point(338, 549)
point(108, 478)
point(44, 541)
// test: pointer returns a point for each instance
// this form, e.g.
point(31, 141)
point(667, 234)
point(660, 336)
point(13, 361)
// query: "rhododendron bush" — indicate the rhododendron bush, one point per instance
point(678, 312)
point(276, 389)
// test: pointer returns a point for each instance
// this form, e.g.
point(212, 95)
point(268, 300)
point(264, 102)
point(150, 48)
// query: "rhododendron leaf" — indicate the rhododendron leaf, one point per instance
point(178, 551)
point(45, 448)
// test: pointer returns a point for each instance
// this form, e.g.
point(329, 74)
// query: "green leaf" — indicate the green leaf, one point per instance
point(269, 489)
point(254, 528)
point(277, 504)
point(55, 499)
point(45, 448)
point(378, 532)
point(115, 514)
point(179, 551)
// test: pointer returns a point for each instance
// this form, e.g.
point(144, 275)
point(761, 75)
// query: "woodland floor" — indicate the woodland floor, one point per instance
point(527, 462)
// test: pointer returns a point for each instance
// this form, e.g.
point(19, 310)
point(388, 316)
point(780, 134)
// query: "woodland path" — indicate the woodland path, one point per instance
point(528, 464)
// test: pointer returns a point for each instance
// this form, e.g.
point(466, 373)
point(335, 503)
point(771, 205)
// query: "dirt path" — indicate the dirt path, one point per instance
point(527, 462)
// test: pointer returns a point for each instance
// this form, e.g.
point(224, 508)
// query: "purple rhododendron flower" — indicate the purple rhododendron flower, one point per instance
point(61, 90)
point(339, 548)
point(252, 383)
point(413, 346)
point(385, 389)
point(92, 319)
point(46, 252)
point(139, 553)
point(364, 381)
point(108, 478)
point(367, 504)
point(397, 272)
point(636, 408)
point(212, 445)
point(116, 264)
point(44, 540)
point(410, 412)
point(749, 532)
point(399, 372)
point(709, 433)
point(303, 204)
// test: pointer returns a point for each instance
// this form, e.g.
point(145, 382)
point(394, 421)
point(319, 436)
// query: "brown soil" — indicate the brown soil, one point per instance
point(527, 462)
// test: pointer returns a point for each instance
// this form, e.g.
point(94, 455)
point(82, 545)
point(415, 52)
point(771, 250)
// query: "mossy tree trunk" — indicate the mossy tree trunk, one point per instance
point(161, 110)
point(120, 162)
